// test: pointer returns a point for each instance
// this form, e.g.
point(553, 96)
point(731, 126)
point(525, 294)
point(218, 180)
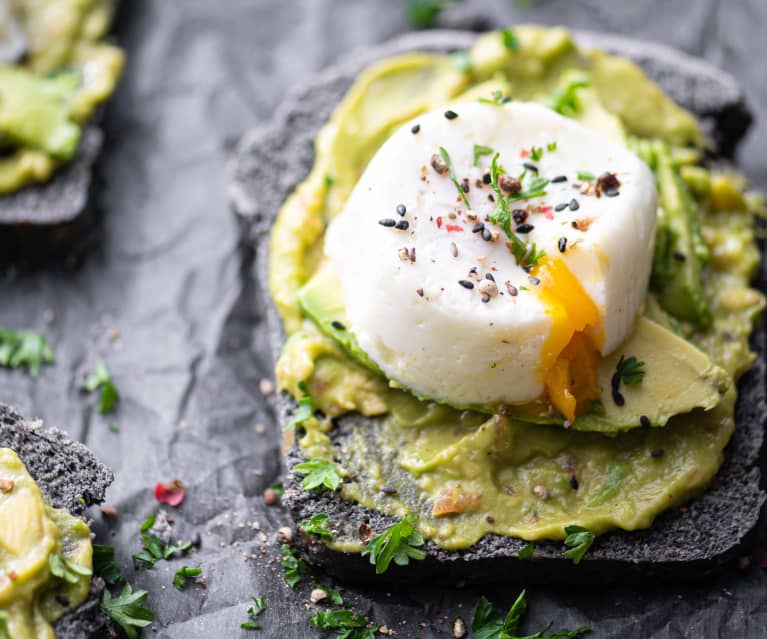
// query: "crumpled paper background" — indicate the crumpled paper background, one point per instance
point(166, 299)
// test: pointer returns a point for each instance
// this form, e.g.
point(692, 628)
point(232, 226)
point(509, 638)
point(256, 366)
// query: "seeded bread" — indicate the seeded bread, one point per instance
point(70, 477)
point(683, 543)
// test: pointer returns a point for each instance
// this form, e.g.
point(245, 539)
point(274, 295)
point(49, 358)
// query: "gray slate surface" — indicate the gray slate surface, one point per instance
point(168, 276)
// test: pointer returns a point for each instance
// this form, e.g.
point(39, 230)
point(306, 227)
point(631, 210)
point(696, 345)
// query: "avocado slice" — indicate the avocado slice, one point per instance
point(678, 376)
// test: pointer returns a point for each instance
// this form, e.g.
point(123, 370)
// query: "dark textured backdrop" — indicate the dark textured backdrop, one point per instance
point(165, 299)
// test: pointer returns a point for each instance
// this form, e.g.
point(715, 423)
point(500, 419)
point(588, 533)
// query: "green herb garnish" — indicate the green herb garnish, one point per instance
point(105, 566)
point(586, 176)
point(630, 370)
point(329, 181)
point(304, 410)
point(318, 472)
point(398, 544)
point(24, 348)
point(510, 40)
point(316, 526)
point(67, 569)
point(497, 99)
point(127, 610)
point(100, 379)
point(349, 624)
point(551, 147)
point(479, 151)
point(292, 565)
point(423, 13)
point(579, 540)
point(183, 574)
point(334, 596)
point(254, 611)
point(526, 551)
point(536, 153)
point(616, 473)
point(155, 550)
point(598, 407)
point(148, 522)
point(446, 157)
point(565, 101)
point(487, 624)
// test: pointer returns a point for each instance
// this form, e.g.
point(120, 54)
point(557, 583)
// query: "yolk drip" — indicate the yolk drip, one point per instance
point(569, 359)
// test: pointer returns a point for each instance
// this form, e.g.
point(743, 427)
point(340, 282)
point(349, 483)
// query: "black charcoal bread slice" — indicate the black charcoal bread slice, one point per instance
point(683, 543)
point(70, 477)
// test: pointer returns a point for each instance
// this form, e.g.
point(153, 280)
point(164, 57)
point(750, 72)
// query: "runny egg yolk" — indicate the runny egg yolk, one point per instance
point(569, 357)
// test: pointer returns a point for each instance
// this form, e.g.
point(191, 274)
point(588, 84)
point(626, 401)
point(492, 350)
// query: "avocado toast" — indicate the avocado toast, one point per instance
point(70, 479)
point(734, 498)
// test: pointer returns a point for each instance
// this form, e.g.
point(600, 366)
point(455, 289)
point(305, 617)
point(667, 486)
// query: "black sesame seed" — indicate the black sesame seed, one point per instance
point(530, 166)
point(490, 197)
point(487, 235)
point(679, 256)
point(559, 178)
point(658, 452)
point(618, 398)
point(534, 280)
point(402, 225)
point(473, 269)
point(415, 129)
point(562, 244)
point(451, 115)
point(338, 325)
point(561, 207)
point(644, 421)
point(489, 276)
point(486, 178)
point(574, 206)
point(573, 482)
point(478, 227)
point(401, 210)
point(388, 490)
point(465, 185)
point(466, 284)
point(519, 215)
point(612, 193)
point(387, 221)
point(615, 382)
point(485, 299)
point(525, 228)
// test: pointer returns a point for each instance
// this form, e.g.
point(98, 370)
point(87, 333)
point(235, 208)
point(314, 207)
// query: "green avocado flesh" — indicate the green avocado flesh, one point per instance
point(45, 99)
point(516, 470)
point(37, 541)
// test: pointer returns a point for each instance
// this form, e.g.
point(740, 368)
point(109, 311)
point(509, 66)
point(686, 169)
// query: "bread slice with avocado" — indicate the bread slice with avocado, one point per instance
point(686, 541)
point(70, 480)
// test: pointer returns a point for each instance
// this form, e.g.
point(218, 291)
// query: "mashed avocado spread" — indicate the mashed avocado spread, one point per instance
point(50, 92)
point(45, 556)
point(466, 473)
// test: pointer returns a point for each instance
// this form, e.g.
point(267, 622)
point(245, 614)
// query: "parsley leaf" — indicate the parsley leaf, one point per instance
point(333, 595)
point(446, 157)
point(183, 574)
point(316, 526)
point(67, 569)
point(536, 153)
point(423, 13)
point(24, 348)
point(254, 611)
point(616, 473)
point(579, 540)
point(4, 616)
point(526, 551)
point(292, 565)
point(498, 99)
point(510, 40)
point(630, 370)
point(551, 147)
point(100, 379)
point(479, 151)
point(105, 566)
point(350, 624)
point(565, 100)
point(318, 472)
point(586, 176)
point(148, 522)
point(127, 610)
point(155, 551)
point(304, 410)
point(399, 544)
point(487, 624)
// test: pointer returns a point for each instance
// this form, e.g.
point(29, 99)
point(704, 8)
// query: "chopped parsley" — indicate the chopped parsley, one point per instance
point(4, 616)
point(586, 176)
point(304, 410)
point(400, 543)
point(318, 472)
point(67, 569)
point(551, 147)
point(155, 550)
point(479, 151)
point(510, 40)
point(292, 565)
point(536, 153)
point(24, 348)
point(329, 181)
point(127, 610)
point(100, 379)
point(616, 473)
point(350, 624)
point(333, 595)
point(630, 370)
point(423, 13)
point(254, 611)
point(487, 624)
point(446, 157)
point(565, 100)
point(148, 522)
point(526, 551)
point(497, 98)
point(579, 540)
point(316, 526)
point(105, 566)
point(183, 574)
